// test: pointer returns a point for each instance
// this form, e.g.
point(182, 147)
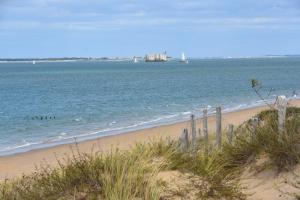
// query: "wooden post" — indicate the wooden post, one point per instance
point(184, 140)
point(205, 131)
point(218, 127)
point(281, 104)
point(230, 133)
point(194, 134)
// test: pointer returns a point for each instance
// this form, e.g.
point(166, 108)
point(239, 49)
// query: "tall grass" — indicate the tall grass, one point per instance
point(282, 150)
point(117, 175)
point(132, 174)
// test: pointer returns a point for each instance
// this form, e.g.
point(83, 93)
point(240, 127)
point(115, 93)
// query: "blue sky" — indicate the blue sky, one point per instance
point(200, 28)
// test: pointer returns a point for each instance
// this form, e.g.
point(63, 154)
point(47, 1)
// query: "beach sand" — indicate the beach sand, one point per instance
point(24, 163)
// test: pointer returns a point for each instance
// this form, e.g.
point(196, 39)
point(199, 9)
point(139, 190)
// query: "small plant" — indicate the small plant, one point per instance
point(257, 86)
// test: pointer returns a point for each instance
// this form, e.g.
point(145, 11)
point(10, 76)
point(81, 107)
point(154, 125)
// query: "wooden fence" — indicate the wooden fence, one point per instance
point(187, 143)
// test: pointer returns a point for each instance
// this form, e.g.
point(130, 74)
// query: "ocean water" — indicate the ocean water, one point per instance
point(87, 99)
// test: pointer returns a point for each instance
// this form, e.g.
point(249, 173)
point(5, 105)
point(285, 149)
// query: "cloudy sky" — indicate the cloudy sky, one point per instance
point(200, 28)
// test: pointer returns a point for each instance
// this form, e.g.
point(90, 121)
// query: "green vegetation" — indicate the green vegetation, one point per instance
point(133, 174)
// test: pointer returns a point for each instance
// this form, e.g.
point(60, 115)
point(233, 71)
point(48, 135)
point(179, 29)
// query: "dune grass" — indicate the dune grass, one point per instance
point(132, 174)
point(117, 175)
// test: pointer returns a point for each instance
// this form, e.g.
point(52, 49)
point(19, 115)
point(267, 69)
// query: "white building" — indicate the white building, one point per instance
point(161, 57)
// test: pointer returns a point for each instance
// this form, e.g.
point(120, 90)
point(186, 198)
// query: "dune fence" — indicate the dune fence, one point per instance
point(188, 140)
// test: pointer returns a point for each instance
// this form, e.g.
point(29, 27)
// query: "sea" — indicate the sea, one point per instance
point(51, 103)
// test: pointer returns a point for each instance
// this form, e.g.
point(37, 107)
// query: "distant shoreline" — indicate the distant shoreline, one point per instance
point(70, 59)
point(58, 59)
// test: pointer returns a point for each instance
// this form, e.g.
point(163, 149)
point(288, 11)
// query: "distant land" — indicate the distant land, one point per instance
point(58, 59)
point(115, 58)
point(295, 55)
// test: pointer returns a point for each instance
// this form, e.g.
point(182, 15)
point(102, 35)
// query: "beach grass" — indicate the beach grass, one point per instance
point(134, 173)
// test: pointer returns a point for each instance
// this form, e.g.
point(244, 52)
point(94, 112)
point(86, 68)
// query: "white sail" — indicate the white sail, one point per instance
point(182, 57)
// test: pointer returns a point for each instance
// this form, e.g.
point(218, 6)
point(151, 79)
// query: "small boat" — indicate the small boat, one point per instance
point(135, 60)
point(33, 62)
point(183, 59)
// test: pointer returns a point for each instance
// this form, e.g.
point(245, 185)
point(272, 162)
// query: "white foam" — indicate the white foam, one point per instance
point(78, 119)
point(186, 113)
point(112, 123)
point(63, 133)
point(23, 145)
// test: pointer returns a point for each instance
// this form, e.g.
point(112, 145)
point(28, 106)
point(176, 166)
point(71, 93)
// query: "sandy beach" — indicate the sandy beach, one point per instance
point(24, 163)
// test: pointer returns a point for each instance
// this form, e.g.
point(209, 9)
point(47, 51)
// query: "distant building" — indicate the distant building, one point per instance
point(160, 57)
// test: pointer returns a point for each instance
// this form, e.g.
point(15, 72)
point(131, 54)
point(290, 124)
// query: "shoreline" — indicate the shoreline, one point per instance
point(107, 132)
point(15, 165)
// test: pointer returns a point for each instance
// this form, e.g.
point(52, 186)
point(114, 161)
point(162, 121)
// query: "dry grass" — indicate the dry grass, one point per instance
point(132, 174)
point(118, 175)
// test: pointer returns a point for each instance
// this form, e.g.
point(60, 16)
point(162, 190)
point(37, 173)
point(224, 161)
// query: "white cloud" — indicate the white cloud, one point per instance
point(113, 24)
point(120, 14)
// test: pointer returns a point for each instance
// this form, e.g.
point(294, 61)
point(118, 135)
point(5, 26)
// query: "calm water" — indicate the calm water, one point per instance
point(92, 99)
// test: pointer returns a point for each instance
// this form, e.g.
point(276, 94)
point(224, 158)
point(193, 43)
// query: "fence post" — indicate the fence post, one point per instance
point(194, 133)
point(205, 131)
point(281, 103)
point(218, 127)
point(184, 140)
point(230, 133)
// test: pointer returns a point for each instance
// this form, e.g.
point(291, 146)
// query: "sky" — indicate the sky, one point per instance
point(200, 28)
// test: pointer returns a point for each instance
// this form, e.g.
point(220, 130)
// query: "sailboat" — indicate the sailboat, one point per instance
point(33, 62)
point(135, 60)
point(183, 59)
